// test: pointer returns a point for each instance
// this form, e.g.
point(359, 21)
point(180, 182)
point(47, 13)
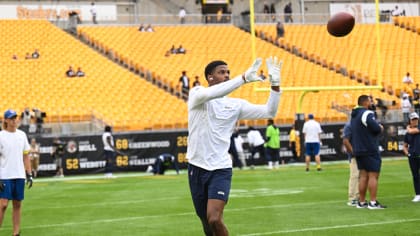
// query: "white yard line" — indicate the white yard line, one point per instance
point(192, 213)
point(331, 227)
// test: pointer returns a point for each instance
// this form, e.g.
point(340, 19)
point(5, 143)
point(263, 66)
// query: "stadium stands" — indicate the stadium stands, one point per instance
point(113, 94)
point(146, 51)
point(108, 92)
point(357, 53)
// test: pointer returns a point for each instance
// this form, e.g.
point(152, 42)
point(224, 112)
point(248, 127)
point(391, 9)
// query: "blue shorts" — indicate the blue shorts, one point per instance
point(312, 149)
point(13, 189)
point(205, 185)
point(370, 163)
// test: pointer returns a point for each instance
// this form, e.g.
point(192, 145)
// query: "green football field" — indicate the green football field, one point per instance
point(286, 201)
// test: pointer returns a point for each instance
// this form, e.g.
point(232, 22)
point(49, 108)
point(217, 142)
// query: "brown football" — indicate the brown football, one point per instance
point(340, 24)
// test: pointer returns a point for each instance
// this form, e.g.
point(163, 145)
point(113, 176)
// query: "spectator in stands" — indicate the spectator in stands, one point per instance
point(196, 81)
point(58, 155)
point(14, 57)
point(288, 13)
point(185, 85)
point(149, 28)
point(34, 156)
point(382, 106)
point(312, 131)
point(416, 91)
point(416, 102)
point(25, 120)
point(93, 12)
point(28, 56)
point(397, 12)
point(407, 79)
point(39, 119)
point(70, 72)
point(162, 163)
point(219, 15)
point(273, 11)
point(79, 72)
point(182, 14)
point(181, 50)
point(262, 76)
point(280, 30)
point(35, 54)
point(173, 50)
point(266, 9)
point(256, 144)
point(405, 108)
point(141, 28)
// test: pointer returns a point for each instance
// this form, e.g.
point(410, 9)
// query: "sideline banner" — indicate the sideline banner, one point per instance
point(57, 11)
point(365, 12)
point(84, 154)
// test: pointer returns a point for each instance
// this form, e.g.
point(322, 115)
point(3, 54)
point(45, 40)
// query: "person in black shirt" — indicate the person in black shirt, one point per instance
point(70, 72)
point(162, 163)
point(58, 154)
point(35, 54)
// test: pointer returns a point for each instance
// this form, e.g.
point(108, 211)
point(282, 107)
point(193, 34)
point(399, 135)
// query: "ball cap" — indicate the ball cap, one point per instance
point(414, 116)
point(10, 114)
point(310, 116)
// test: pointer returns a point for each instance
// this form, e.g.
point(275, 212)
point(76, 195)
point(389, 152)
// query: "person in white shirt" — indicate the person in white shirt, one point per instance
point(407, 79)
point(109, 151)
point(15, 167)
point(182, 14)
point(312, 130)
point(212, 118)
point(239, 148)
point(93, 12)
point(256, 144)
point(406, 108)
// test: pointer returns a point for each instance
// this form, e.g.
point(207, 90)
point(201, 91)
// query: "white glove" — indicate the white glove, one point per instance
point(251, 74)
point(274, 68)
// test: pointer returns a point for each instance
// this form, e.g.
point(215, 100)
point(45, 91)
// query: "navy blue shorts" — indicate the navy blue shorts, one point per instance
point(370, 163)
point(205, 185)
point(13, 189)
point(312, 149)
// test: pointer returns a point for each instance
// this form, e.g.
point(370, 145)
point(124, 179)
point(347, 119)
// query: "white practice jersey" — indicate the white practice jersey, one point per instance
point(105, 142)
point(12, 147)
point(212, 118)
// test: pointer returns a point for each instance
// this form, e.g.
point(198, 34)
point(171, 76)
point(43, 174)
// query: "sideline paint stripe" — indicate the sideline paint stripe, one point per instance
point(332, 227)
point(100, 221)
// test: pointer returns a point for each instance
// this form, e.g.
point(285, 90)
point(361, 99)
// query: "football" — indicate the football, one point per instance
point(340, 24)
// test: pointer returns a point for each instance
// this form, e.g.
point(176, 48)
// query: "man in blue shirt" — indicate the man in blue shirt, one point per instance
point(412, 151)
point(365, 142)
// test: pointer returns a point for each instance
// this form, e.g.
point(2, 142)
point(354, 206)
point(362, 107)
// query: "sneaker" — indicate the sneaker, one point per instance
point(376, 205)
point(307, 169)
point(416, 198)
point(362, 205)
point(353, 202)
point(319, 169)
